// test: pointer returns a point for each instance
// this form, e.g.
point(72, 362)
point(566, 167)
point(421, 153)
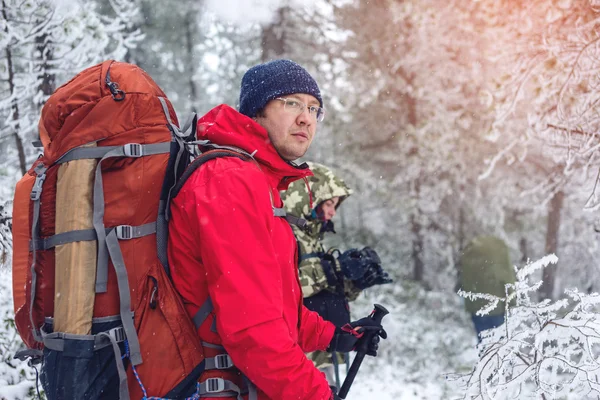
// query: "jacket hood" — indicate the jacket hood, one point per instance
point(324, 185)
point(226, 127)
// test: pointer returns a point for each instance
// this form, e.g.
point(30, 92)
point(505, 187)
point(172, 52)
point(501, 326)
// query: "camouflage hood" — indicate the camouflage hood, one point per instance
point(324, 185)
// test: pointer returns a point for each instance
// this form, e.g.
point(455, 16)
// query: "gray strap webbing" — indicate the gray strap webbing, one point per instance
point(212, 346)
point(126, 232)
point(56, 340)
point(252, 392)
point(82, 235)
point(114, 250)
point(178, 136)
point(211, 386)
point(174, 128)
point(279, 212)
point(123, 389)
point(82, 153)
point(95, 320)
point(128, 150)
point(187, 127)
point(221, 361)
point(293, 220)
point(203, 312)
point(204, 142)
point(35, 196)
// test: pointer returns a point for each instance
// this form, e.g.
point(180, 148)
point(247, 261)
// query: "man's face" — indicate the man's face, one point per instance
point(290, 132)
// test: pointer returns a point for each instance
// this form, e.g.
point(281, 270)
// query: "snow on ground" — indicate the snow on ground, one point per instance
point(430, 338)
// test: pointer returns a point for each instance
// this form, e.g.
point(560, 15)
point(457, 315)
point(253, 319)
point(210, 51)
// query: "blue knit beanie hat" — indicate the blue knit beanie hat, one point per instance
point(265, 82)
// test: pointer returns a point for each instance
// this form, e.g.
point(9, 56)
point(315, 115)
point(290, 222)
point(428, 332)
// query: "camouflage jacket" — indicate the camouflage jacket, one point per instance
point(324, 185)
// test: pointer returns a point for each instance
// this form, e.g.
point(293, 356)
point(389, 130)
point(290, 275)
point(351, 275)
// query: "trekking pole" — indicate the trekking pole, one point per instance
point(378, 313)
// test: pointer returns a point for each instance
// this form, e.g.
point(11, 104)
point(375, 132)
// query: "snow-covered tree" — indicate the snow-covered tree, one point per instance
point(5, 236)
point(543, 98)
point(43, 44)
point(545, 349)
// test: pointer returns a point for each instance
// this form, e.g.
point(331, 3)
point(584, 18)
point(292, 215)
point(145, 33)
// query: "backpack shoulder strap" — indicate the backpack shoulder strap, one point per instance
point(201, 160)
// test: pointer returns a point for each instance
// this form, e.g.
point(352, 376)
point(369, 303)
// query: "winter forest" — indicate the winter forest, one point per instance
point(449, 119)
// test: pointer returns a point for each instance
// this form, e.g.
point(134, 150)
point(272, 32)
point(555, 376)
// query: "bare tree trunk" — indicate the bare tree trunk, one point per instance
point(273, 37)
point(417, 237)
point(189, 46)
point(417, 248)
point(48, 83)
point(549, 276)
point(15, 105)
point(361, 220)
point(461, 228)
point(460, 240)
point(524, 252)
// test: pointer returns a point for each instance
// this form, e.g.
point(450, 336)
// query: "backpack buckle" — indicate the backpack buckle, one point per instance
point(124, 232)
point(36, 190)
point(118, 334)
point(223, 361)
point(215, 385)
point(133, 150)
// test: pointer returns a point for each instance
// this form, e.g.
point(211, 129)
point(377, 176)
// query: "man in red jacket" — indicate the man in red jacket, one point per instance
point(232, 255)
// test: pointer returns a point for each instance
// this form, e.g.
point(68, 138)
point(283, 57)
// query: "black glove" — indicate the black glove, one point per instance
point(375, 275)
point(349, 337)
point(354, 263)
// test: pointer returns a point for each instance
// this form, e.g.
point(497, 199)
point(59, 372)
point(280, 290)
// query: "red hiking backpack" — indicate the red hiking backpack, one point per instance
point(113, 152)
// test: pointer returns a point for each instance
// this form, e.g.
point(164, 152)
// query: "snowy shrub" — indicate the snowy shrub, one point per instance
point(17, 379)
point(5, 236)
point(545, 350)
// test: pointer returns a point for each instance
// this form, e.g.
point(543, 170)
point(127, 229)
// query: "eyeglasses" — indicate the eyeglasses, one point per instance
point(297, 107)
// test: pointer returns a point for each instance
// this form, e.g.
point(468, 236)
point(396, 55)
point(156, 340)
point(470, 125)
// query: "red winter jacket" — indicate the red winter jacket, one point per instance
point(225, 241)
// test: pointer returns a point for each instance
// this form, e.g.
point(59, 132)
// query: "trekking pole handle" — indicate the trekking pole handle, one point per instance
point(377, 315)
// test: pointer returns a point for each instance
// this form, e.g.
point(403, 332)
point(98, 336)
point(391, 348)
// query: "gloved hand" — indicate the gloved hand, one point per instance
point(375, 275)
point(351, 335)
point(354, 263)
